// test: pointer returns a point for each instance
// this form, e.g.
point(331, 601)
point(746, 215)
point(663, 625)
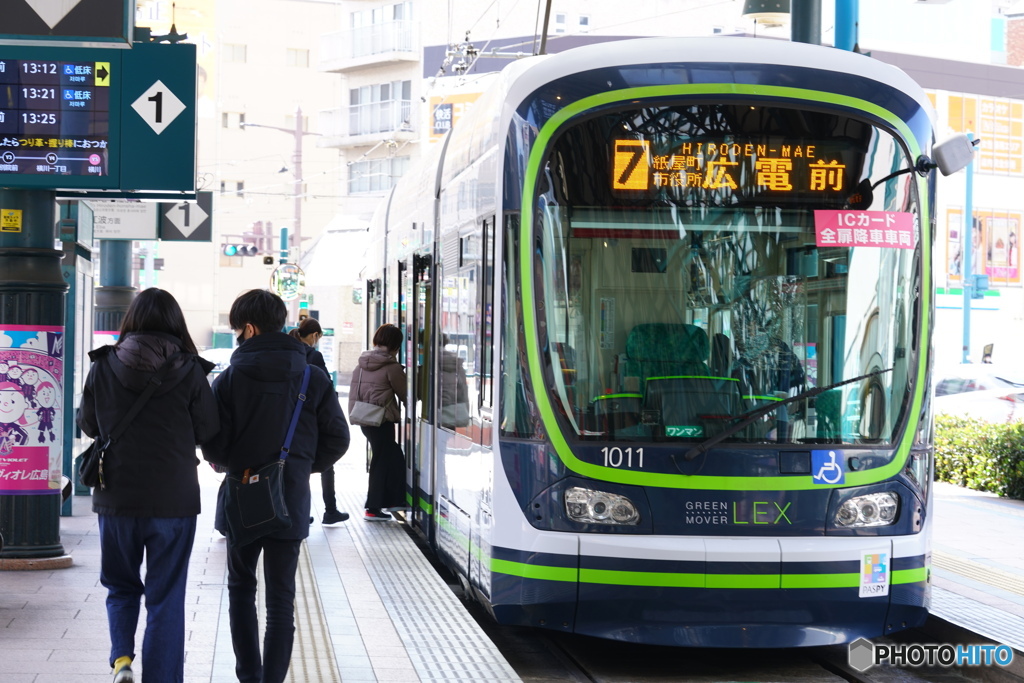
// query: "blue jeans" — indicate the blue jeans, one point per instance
point(280, 561)
point(166, 543)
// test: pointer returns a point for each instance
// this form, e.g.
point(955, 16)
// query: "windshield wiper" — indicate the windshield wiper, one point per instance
point(753, 415)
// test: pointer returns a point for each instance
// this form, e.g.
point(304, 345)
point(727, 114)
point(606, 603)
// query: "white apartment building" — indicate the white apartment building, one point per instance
point(257, 68)
point(380, 81)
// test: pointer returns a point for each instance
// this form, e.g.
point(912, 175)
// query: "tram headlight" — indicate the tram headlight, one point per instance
point(872, 509)
point(590, 506)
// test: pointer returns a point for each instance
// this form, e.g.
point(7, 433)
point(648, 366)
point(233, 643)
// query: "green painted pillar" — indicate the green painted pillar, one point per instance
point(805, 18)
point(32, 335)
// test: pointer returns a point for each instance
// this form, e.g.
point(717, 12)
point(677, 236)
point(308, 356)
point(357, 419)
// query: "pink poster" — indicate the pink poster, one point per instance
point(892, 229)
point(31, 386)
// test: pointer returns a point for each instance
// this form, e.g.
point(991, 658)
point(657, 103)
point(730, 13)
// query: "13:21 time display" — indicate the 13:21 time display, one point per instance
point(30, 93)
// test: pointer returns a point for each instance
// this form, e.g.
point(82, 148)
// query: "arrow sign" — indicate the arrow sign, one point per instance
point(52, 11)
point(158, 107)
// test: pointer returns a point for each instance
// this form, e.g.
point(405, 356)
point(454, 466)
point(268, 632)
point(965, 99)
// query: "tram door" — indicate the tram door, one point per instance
point(407, 354)
point(374, 319)
point(421, 406)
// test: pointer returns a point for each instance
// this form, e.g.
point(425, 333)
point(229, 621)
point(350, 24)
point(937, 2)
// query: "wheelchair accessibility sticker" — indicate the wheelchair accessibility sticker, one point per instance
point(827, 468)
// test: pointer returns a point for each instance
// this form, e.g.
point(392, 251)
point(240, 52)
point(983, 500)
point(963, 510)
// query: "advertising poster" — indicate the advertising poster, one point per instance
point(31, 387)
point(1002, 258)
point(994, 250)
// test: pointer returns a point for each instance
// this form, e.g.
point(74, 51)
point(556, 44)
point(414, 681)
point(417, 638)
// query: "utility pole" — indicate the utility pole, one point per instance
point(297, 134)
point(967, 277)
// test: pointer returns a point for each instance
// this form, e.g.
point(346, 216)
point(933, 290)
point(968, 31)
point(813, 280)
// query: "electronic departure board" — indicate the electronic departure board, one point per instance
point(55, 118)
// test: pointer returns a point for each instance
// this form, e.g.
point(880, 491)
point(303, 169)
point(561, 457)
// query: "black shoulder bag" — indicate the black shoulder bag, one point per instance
point(254, 502)
point(90, 469)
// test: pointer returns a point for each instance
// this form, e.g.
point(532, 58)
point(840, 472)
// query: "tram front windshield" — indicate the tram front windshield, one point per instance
point(698, 262)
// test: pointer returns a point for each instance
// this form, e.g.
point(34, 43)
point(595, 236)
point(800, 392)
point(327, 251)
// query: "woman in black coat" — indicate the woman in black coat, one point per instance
point(148, 499)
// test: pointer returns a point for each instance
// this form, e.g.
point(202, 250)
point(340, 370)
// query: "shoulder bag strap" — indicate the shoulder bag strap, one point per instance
point(295, 414)
point(154, 383)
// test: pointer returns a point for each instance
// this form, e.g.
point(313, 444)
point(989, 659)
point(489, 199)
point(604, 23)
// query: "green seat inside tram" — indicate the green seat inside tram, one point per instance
point(668, 364)
point(664, 349)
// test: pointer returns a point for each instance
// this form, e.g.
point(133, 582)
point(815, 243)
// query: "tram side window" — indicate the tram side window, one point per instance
point(459, 360)
point(517, 413)
point(487, 317)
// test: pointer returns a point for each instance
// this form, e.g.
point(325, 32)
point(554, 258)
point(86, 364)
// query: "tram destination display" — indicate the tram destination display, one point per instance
point(758, 166)
point(54, 117)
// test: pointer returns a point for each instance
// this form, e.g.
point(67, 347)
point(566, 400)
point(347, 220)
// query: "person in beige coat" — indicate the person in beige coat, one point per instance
point(380, 379)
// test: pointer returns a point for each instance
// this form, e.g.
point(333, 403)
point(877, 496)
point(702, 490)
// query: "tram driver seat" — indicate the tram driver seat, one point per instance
point(681, 396)
point(660, 350)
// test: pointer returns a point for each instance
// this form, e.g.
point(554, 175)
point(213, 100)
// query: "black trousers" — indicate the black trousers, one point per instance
point(280, 561)
point(387, 468)
point(327, 482)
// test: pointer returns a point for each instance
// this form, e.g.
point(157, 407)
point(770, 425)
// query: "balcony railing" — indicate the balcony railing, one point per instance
point(380, 117)
point(391, 116)
point(359, 46)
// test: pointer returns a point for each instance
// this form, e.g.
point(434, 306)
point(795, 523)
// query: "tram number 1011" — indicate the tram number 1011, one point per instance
point(619, 457)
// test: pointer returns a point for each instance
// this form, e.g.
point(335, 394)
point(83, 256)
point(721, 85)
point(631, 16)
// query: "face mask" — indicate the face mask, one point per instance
point(240, 338)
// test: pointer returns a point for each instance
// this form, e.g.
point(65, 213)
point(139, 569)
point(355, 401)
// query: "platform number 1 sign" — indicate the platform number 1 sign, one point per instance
point(158, 107)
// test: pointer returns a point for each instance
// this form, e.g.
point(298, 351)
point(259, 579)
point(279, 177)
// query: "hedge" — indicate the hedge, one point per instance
point(980, 456)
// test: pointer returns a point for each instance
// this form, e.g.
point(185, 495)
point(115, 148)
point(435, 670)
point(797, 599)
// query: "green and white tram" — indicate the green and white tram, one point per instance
point(668, 307)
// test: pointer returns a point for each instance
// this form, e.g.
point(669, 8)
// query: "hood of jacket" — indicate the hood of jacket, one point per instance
point(270, 357)
point(375, 359)
point(139, 355)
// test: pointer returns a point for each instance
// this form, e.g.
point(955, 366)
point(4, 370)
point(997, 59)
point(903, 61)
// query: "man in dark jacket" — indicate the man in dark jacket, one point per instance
point(255, 398)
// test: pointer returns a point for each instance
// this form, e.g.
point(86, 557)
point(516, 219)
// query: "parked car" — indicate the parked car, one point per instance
point(988, 405)
point(959, 379)
point(982, 392)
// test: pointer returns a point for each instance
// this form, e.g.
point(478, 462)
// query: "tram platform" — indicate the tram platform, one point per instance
point(371, 607)
point(978, 564)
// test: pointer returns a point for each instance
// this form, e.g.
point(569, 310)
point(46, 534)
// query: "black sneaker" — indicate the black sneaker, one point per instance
point(332, 517)
point(376, 516)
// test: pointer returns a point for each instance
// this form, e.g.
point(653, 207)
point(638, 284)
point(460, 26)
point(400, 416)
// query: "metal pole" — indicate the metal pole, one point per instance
point(805, 21)
point(297, 165)
point(847, 16)
point(967, 275)
point(115, 293)
point(544, 29)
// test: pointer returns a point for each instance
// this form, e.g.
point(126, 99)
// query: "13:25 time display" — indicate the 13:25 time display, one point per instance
point(39, 118)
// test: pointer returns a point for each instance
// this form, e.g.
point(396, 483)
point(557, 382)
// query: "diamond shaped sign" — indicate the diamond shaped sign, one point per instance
point(52, 11)
point(186, 217)
point(158, 107)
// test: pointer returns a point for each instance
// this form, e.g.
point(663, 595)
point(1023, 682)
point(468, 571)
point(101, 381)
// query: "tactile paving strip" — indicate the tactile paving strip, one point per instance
point(442, 640)
point(979, 572)
point(312, 638)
